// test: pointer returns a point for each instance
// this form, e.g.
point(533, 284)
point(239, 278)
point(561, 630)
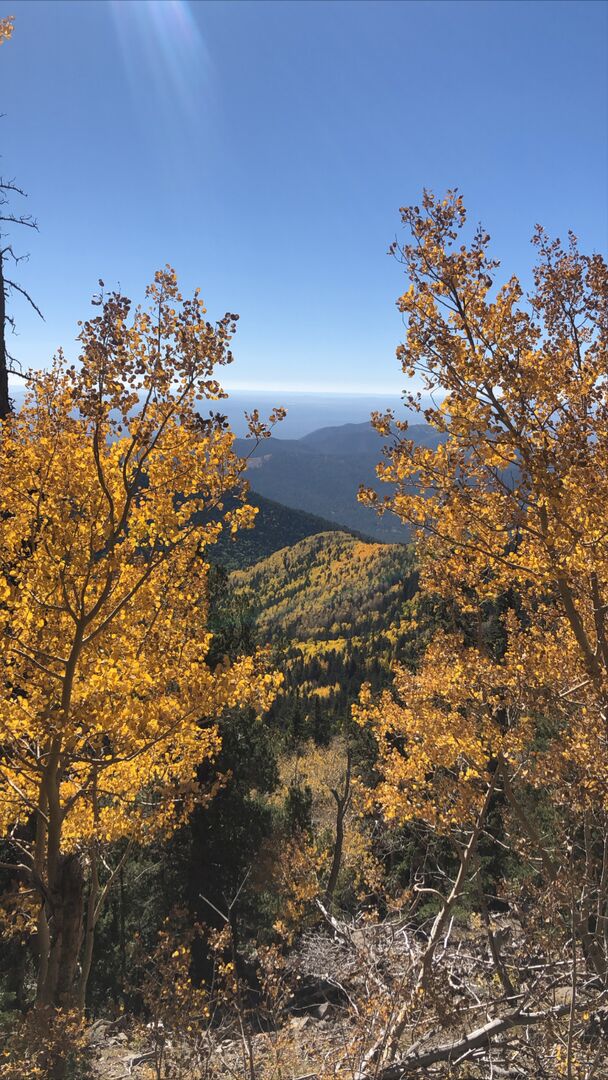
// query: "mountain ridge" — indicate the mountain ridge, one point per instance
point(321, 473)
point(276, 527)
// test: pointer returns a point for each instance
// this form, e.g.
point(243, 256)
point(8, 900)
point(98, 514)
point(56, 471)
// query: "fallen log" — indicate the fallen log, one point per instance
point(458, 1049)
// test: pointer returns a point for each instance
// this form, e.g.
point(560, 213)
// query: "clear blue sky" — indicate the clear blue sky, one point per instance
point(264, 149)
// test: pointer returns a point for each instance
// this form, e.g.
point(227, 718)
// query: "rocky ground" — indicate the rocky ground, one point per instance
point(118, 1053)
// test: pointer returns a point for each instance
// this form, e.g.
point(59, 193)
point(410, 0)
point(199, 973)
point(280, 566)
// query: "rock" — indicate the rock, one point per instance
point(299, 1022)
point(315, 991)
point(321, 1011)
point(98, 1032)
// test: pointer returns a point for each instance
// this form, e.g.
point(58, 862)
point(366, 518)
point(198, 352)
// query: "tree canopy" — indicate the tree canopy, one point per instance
point(112, 496)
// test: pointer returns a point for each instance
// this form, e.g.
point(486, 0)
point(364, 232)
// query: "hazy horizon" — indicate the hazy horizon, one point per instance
point(307, 411)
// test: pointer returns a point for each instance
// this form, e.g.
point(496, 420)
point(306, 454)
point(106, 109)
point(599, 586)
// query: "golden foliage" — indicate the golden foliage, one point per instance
point(7, 25)
point(510, 509)
point(113, 493)
point(40, 1040)
point(323, 770)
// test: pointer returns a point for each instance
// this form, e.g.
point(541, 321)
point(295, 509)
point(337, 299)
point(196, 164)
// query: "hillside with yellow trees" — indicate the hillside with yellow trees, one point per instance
point(336, 610)
point(330, 587)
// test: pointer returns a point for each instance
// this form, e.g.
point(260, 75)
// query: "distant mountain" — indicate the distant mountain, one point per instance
point(362, 439)
point(276, 527)
point(321, 474)
point(305, 411)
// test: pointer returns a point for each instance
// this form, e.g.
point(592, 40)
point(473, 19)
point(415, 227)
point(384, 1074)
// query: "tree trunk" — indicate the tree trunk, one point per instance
point(5, 401)
point(57, 981)
point(65, 921)
point(89, 930)
point(342, 804)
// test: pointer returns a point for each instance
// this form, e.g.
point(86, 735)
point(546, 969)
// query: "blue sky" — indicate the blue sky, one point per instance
point(264, 150)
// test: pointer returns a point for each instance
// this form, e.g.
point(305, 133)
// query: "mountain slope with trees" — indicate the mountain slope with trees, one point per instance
point(327, 587)
point(335, 610)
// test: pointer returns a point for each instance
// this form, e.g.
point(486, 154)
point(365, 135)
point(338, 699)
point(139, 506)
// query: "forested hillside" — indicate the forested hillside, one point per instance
point(335, 608)
point(329, 587)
